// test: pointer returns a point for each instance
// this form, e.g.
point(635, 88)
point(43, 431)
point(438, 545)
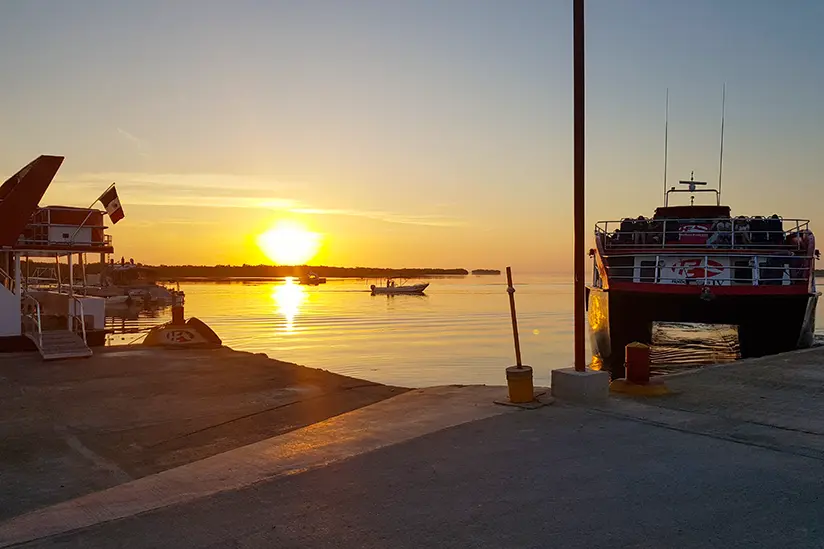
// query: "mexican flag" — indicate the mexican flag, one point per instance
point(111, 202)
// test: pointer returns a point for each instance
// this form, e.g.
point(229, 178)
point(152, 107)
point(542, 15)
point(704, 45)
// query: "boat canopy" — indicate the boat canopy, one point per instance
point(691, 212)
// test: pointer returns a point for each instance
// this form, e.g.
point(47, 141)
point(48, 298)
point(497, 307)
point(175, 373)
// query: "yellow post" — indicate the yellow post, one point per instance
point(519, 381)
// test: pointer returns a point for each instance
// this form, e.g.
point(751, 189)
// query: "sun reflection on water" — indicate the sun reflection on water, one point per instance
point(288, 298)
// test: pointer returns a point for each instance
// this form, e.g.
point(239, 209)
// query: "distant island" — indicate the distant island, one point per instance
point(486, 272)
point(222, 272)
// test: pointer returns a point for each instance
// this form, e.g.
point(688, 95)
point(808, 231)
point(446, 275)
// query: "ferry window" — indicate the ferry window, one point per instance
point(647, 271)
point(742, 272)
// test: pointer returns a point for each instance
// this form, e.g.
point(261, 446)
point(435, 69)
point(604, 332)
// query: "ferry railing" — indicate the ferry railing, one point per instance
point(33, 316)
point(37, 234)
point(6, 280)
point(754, 270)
point(23, 241)
point(75, 317)
point(711, 233)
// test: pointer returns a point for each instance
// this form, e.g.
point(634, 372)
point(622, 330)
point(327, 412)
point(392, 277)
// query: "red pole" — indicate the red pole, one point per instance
point(579, 244)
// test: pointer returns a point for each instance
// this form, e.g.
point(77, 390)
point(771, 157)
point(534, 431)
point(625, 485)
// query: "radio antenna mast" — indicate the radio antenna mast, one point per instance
point(721, 154)
point(666, 135)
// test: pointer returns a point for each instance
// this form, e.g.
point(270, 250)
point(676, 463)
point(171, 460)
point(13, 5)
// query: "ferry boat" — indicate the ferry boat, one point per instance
point(55, 318)
point(700, 264)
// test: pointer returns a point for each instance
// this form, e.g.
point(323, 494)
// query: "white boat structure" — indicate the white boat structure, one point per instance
point(54, 317)
point(391, 288)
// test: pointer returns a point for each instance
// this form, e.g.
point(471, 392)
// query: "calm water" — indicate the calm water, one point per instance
point(459, 333)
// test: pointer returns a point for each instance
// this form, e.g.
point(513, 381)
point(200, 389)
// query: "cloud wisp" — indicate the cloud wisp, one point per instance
point(140, 145)
point(225, 191)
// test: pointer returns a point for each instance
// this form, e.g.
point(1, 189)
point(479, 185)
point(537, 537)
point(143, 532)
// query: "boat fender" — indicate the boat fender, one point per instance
point(706, 294)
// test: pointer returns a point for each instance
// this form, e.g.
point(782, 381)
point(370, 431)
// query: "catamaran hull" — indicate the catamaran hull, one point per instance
point(767, 324)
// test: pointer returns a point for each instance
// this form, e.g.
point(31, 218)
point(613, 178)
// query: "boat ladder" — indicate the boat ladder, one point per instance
point(54, 344)
point(57, 344)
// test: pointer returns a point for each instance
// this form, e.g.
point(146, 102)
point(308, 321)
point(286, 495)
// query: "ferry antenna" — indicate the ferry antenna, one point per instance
point(666, 148)
point(721, 153)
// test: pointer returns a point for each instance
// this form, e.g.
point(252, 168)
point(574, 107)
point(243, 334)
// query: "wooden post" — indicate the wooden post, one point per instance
point(579, 167)
point(511, 291)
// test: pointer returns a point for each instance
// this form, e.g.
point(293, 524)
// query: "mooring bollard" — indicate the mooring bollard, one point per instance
point(178, 318)
point(518, 377)
point(636, 357)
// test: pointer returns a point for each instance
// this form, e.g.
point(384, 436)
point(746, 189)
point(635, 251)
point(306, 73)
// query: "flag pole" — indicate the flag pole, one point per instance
point(88, 215)
point(101, 196)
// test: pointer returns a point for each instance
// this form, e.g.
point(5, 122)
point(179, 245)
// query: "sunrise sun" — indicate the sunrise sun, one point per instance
point(289, 243)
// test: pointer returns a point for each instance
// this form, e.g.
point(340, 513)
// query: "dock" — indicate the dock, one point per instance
point(732, 458)
point(73, 427)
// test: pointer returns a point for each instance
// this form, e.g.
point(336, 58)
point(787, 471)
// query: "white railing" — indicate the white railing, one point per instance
point(33, 316)
point(739, 233)
point(75, 317)
point(38, 235)
point(710, 269)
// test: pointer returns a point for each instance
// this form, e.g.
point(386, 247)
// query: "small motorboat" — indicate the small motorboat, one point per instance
point(312, 279)
point(119, 300)
point(396, 289)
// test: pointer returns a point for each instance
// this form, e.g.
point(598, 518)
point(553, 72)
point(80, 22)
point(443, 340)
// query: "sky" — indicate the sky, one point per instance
point(407, 133)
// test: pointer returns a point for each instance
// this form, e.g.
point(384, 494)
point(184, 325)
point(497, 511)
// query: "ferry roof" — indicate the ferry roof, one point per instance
point(691, 212)
point(21, 193)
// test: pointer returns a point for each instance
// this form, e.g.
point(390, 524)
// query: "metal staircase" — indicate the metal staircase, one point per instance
point(57, 344)
point(54, 344)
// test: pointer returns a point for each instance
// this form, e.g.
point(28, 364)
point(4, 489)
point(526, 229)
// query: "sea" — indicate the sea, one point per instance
point(459, 332)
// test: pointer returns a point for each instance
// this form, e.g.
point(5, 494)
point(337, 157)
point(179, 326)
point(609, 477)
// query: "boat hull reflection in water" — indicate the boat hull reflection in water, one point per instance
point(681, 346)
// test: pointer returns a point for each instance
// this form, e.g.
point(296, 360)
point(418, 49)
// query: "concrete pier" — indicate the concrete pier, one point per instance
point(732, 458)
point(72, 427)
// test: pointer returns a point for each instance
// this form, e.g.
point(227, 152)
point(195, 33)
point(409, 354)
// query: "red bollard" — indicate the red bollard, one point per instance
point(177, 311)
point(637, 363)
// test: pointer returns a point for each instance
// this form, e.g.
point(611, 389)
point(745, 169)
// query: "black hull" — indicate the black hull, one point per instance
point(767, 324)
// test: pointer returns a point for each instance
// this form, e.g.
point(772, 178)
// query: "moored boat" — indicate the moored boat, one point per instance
point(51, 315)
point(699, 264)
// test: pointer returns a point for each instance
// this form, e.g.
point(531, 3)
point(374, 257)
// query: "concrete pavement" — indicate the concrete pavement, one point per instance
point(73, 427)
point(553, 477)
point(734, 458)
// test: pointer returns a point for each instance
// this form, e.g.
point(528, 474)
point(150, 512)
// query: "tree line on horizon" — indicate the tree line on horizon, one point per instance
point(268, 271)
point(164, 271)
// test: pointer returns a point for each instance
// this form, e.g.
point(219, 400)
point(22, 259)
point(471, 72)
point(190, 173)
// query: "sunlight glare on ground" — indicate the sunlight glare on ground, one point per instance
point(289, 243)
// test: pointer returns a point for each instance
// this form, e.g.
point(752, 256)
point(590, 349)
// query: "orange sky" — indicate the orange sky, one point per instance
point(420, 133)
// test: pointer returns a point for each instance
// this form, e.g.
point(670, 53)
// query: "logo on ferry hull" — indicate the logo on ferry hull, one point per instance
point(694, 268)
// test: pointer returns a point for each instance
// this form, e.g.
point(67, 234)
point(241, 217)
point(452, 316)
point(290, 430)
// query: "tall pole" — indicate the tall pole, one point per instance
point(579, 239)
point(721, 153)
point(666, 148)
